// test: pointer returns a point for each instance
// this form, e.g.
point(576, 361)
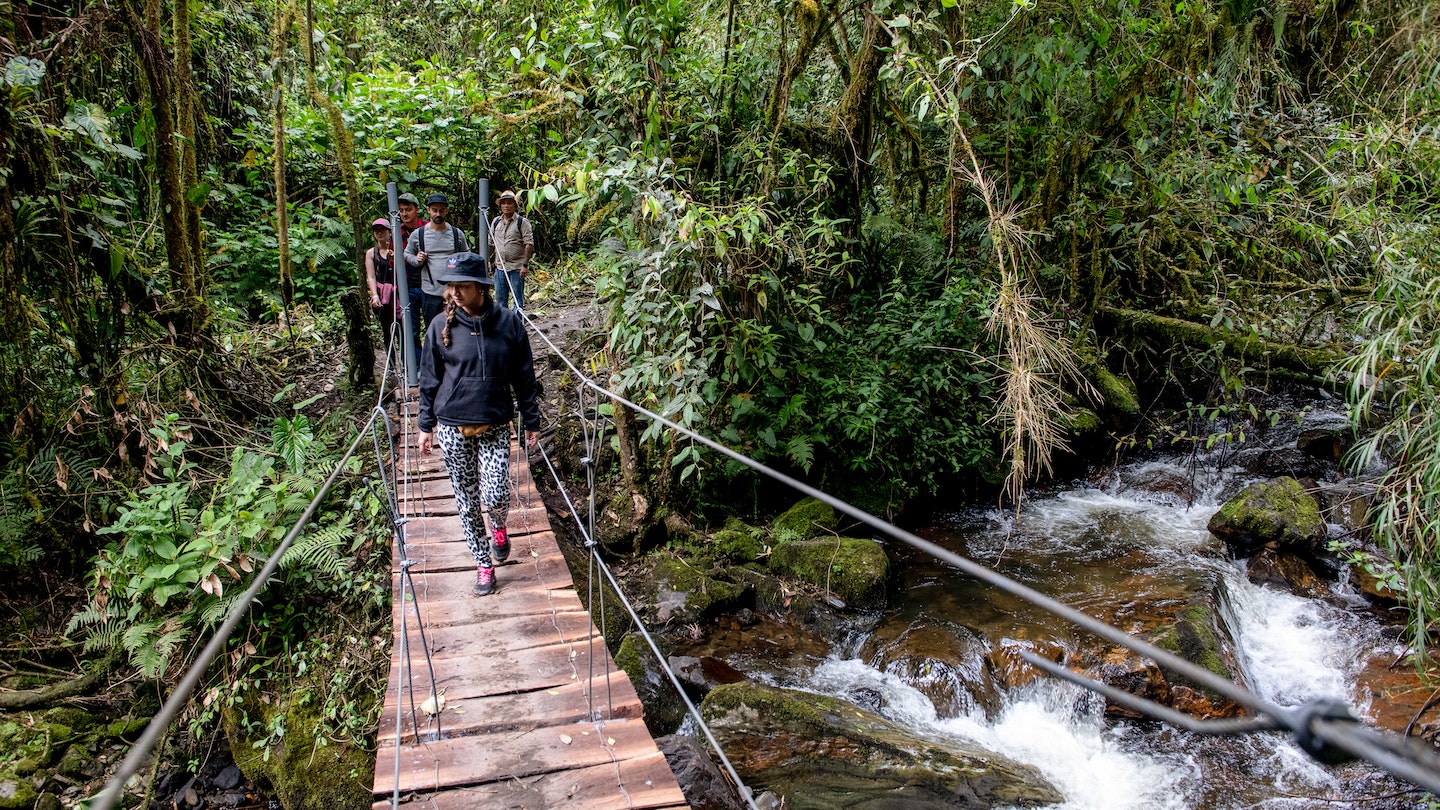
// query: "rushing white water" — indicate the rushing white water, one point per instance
point(1291, 649)
point(1052, 726)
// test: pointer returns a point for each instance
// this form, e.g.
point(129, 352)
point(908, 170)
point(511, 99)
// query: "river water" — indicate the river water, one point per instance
point(1132, 549)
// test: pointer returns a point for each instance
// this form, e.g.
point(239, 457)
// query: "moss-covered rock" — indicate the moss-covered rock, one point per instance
point(685, 593)
point(303, 772)
point(76, 763)
point(851, 568)
point(820, 751)
point(1119, 392)
point(16, 793)
point(1277, 511)
point(663, 707)
point(737, 545)
point(806, 519)
point(1195, 636)
point(1083, 421)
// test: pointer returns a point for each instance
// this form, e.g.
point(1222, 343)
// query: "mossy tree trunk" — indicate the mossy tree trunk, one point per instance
point(356, 303)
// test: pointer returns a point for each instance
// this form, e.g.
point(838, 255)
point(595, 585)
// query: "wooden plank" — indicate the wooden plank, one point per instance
point(488, 641)
point(522, 523)
point(519, 599)
point(560, 705)
point(519, 671)
point(646, 779)
point(455, 556)
point(467, 761)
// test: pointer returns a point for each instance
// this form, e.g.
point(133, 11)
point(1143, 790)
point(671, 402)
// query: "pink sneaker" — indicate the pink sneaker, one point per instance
point(484, 581)
point(501, 545)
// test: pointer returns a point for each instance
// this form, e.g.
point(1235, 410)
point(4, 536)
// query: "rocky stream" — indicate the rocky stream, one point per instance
point(924, 702)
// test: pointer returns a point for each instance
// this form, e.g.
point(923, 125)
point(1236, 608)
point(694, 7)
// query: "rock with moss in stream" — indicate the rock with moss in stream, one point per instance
point(1195, 634)
point(805, 519)
point(822, 752)
point(1278, 511)
point(686, 593)
point(304, 771)
point(944, 661)
point(663, 707)
point(853, 569)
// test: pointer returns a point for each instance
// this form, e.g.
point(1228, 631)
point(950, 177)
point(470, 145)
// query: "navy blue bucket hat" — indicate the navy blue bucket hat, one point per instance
point(466, 267)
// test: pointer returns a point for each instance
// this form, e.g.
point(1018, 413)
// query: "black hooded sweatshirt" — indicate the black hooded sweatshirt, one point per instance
point(470, 381)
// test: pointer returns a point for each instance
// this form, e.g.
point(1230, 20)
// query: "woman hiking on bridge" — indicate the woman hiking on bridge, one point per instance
point(475, 362)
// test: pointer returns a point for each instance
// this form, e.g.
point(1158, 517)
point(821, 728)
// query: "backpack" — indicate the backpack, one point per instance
point(454, 237)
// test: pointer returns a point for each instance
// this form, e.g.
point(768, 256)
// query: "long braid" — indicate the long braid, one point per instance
point(450, 307)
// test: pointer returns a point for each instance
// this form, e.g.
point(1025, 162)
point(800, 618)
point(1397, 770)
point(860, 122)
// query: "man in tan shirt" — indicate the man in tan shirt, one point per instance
point(514, 244)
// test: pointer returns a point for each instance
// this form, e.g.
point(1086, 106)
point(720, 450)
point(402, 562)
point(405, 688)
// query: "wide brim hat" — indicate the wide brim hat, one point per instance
point(509, 195)
point(462, 267)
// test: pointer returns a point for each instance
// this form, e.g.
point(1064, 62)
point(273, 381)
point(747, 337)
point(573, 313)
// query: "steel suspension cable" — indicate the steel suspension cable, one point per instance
point(161, 722)
point(1311, 724)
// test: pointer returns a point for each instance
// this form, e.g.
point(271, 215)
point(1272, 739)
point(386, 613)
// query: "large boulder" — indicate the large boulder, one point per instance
point(823, 752)
point(1281, 569)
point(1278, 511)
point(851, 568)
point(806, 519)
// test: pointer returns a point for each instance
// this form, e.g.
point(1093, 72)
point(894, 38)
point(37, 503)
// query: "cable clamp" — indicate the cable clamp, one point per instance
point(407, 563)
point(402, 521)
point(587, 461)
point(1317, 710)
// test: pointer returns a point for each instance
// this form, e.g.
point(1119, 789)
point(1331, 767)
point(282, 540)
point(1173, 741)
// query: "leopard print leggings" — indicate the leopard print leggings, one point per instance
point(480, 475)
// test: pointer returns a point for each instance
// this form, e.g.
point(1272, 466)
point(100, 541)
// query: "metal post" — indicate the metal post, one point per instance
point(402, 288)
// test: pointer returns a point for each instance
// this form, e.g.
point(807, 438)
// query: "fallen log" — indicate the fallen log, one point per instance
point(1238, 344)
point(45, 695)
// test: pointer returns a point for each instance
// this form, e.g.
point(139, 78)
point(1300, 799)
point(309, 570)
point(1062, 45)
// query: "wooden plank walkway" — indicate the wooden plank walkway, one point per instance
point(518, 730)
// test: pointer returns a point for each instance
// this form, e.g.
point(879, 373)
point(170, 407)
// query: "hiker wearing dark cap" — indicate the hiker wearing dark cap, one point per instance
point(514, 243)
point(380, 276)
point(410, 222)
point(427, 250)
point(475, 364)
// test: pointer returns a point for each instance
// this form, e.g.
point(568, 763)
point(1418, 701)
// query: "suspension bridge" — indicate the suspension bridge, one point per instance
point(512, 700)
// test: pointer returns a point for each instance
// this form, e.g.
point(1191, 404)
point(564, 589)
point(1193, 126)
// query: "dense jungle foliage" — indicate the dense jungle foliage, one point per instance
point(894, 246)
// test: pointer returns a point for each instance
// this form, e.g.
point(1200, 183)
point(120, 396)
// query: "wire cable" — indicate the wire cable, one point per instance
point(1307, 723)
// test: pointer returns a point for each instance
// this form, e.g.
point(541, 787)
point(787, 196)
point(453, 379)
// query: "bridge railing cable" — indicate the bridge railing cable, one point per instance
point(392, 502)
point(1326, 729)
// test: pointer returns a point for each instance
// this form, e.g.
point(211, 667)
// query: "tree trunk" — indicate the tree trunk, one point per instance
point(187, 113)
point(186, 315)
point(361, 361)
point(856, 118)
point(279, 35)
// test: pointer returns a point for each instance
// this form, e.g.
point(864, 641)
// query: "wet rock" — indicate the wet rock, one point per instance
point(703, 673)
point(805, 519)
point(945, 662)
point(1281, 569)
point(1278, 511)
point(686, 594)
point(1381, 583)
point(705, 787)
point(48, 801)
point(819, 751)
point(663, 707)
point(1348, 506)
point(1283, 461)
point(1325, 435)
point(1195, 635)
point(851, 568)
point(1011, 671)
